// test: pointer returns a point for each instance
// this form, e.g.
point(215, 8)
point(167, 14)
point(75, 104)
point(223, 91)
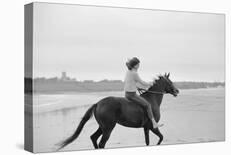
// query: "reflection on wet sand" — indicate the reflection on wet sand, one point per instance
point(187, 118)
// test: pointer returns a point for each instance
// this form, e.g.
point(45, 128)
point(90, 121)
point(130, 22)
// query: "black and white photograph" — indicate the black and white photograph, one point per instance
point(113, 77)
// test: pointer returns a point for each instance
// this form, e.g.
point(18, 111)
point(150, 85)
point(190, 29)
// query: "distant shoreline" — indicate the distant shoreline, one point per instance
point(93, 92)
point(57, 86)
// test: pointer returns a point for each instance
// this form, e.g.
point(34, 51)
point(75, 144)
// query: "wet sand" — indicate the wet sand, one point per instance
point(194, 116)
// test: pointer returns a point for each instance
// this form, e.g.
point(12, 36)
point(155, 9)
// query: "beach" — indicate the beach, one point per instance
point(196, 115)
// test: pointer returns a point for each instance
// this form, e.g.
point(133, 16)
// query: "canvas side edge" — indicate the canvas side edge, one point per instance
point(28, 77)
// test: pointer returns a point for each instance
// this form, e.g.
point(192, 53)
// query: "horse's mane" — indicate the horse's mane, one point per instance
point(156, 80)
point(156, 83)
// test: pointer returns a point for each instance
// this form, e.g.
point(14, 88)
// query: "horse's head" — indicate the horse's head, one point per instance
point(166, 85)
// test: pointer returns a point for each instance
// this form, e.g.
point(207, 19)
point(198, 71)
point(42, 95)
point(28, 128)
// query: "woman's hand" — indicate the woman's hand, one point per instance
point(151, 84)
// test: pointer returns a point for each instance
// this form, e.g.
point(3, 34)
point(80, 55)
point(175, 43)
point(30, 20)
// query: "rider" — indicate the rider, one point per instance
point(131, 79)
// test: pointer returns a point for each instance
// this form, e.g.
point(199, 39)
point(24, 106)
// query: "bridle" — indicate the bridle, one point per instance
point(141, 91)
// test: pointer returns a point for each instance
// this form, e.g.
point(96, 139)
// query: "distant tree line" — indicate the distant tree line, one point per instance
point(196, 85)
point(55, 85)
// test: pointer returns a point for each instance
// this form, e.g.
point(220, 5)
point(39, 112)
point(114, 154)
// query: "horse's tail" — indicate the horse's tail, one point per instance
point(85, 118)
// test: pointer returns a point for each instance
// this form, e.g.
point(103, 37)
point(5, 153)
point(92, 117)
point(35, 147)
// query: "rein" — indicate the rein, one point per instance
point(141, 91)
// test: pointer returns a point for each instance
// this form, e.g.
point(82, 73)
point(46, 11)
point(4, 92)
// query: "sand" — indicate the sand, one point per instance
point(194, 116)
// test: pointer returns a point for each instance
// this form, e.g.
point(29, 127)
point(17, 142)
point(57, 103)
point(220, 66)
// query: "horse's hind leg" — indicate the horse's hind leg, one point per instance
point(105, 137)
point(95, 136)
point(157, 132)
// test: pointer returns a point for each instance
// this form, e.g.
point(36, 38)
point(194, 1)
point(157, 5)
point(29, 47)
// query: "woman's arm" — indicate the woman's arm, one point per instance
point(140, 81)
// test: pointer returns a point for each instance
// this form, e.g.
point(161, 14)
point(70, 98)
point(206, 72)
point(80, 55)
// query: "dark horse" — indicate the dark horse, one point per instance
point(112, 110)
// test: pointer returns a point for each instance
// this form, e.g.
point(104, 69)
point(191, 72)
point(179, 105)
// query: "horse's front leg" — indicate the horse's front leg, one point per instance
point(146, 133)
point(157, 132)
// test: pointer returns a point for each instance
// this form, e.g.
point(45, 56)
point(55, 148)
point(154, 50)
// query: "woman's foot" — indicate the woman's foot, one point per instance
point(156, 125)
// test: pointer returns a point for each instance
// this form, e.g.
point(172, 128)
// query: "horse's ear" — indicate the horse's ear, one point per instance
point(168, 75)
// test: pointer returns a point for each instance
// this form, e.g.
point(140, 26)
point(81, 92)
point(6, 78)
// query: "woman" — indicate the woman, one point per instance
point(131, 80)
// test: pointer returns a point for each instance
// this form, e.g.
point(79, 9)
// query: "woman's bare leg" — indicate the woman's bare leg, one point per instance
point(148, 108)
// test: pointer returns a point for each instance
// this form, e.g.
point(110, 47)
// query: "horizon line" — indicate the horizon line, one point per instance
point(74, 79)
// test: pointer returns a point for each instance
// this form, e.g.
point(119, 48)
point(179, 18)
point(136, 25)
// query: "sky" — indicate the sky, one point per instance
point(93, 43)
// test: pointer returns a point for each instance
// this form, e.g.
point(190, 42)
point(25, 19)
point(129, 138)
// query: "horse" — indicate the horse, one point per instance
point(112, 110)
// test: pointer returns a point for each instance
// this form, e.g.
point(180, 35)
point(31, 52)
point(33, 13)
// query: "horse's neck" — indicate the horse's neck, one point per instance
point(156, 98)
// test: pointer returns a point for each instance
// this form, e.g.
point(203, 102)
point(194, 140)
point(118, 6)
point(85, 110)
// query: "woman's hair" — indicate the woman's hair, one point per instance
point(132, 63)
